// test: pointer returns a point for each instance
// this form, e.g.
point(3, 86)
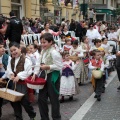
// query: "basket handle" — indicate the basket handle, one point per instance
point(40, 71)
point(45, 74)
point(7, 86)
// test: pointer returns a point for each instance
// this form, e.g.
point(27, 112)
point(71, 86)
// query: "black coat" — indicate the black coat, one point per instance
point(14, 30)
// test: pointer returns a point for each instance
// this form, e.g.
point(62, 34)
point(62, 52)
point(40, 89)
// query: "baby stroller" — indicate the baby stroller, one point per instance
point(113, 45)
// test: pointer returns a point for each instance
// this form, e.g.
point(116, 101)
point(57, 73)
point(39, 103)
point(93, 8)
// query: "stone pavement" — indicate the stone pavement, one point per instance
point(109, 107)
point(67, 109)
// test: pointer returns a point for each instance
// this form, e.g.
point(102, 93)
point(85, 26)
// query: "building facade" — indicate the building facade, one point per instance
point(28, 8)
point(54, 10)
point(104, 8)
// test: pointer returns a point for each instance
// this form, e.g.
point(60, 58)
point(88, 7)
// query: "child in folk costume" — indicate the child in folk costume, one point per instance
point(79, 72)
point(18, 71)
point(86, 47)
point(4, 59)
point(51, 62)
point(97, 44)
point(67, 45)
point(67, 83)
point(34, 50)
point(30, 55)
point(97, 63)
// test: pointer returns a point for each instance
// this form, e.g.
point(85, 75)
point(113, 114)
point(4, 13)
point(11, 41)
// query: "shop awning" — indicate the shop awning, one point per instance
point(107, 11)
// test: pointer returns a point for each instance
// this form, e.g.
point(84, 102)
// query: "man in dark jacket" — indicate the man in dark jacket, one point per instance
point(15, 29)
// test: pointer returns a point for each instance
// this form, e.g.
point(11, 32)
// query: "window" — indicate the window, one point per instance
point(99, 2)
point(112, 3)
point(16, 7)
point(16, 1)
point(16, 10)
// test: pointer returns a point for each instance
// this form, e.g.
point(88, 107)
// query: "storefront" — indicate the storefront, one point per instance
point(104, 14)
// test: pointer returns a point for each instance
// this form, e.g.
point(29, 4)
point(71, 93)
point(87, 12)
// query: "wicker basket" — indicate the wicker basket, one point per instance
point(10, 95)
point(74, 58)
point(97, 74)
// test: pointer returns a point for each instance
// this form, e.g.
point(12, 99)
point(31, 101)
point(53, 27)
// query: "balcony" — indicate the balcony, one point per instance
point(98, 6)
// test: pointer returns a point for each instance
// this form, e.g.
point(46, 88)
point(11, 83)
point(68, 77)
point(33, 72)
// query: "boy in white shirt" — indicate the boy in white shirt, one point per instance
point(51, 62)
point(18, 71)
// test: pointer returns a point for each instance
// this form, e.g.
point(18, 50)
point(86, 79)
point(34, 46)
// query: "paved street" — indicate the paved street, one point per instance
point(67, 109)
point(107, 109)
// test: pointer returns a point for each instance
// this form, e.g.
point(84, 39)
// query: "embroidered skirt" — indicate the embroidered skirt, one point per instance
point(84, 73)
point(67, 85)
point(77, 71)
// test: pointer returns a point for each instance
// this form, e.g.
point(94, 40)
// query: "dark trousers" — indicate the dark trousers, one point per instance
point(48, 91)
point(118, 72)
point(91, 20)
point(98, 86)
point(104, 81)
point(24, 102)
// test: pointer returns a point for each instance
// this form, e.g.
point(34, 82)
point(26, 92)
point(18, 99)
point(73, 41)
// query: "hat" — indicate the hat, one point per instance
point(101, 49)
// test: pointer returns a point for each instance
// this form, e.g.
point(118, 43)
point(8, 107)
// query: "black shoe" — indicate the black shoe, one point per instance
point(71, 98)
point(118, 88)
point(103, 91)
point(98, 98)
point(62, 100)
point(95, 96)
point(80, 84)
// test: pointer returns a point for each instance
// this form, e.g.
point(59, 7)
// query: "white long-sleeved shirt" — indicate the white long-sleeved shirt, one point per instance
point(106, 47)
point(23, 74)
point(57, 61)
point(90, 66)
point(112, 36)
point(78, 50)
point(92, 34)
point(73, 67)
